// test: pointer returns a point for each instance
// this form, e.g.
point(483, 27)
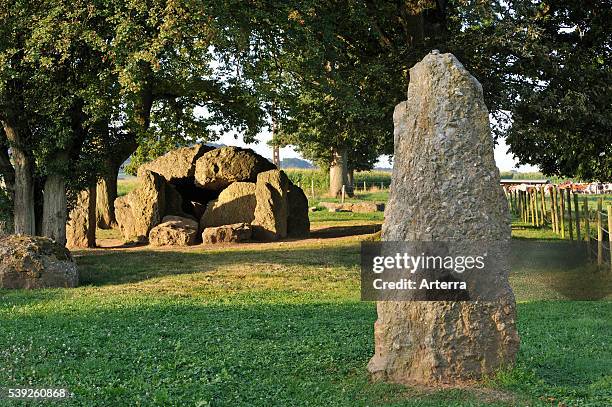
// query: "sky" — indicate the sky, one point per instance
point(504, 161)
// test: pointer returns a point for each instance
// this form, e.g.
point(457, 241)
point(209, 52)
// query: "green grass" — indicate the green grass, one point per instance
point(281, 326)
point(125, 185)
point(320, 179)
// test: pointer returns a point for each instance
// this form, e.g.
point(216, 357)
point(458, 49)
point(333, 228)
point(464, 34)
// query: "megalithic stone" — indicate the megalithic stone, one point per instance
point(445, 187)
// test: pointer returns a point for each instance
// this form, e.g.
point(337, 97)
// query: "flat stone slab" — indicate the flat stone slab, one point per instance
point(235, 233)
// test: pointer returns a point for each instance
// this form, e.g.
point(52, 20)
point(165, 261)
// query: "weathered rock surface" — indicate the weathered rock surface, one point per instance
point(445, 188)
point(143, 208)
point(220, 167)
point(176, 164)
point(216, 187)
point(270, 221)
point(367, 207)
point(298, 224)
point(237, 232)
point(35, 262)
point(174, 231)
point(78, 232)
point(357, 207)
point(236, 204)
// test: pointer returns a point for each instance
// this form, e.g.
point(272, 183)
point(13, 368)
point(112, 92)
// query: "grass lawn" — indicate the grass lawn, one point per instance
point(277, 324)
point(281, 326)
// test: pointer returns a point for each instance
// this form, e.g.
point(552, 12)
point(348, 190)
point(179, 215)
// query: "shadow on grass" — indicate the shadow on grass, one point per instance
point(119, 267)
point(343, 231)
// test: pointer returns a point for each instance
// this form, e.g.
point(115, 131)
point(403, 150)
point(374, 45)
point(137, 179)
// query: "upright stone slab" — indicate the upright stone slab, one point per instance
point(270, 221)
point(236, 204)
point(80, 228)
point(298, 223)
point(143, 208)
point(445, 187)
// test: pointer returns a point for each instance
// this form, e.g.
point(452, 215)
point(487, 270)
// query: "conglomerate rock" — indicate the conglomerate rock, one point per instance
point(445, 188)
point(236, 204)
point(237, 232)
point(176, 164)
point(220, 167)
point(174, 231)
point(270, 221)
point(35, 262)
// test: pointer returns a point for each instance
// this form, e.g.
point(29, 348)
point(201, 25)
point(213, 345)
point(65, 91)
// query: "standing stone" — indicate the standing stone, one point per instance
point(236, 204)
point(220, 167)
point(445, 187)
point(143, 208)
point(80, 228)
point(298, 224)
point(270, 221)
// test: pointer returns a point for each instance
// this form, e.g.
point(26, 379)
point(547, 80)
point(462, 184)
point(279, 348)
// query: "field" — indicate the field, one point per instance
point(280, 324)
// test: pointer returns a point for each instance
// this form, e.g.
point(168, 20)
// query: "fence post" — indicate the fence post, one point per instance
point(577, 212)
point(364, 186)
point(527, 206)
point(343, 192)
point(312, 188)
point(553, 210)
point(569, 213)
point(382, 186)
point(599, 232)
point(610, 233)
point(534, 218)
point(587, 226)
point(543, 196)
point(535, 206)
point(562, 214)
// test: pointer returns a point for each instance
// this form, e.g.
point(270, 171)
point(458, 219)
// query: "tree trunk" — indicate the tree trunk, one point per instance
point(7, 171)
point(91, 227)
point(23, 203)
point(350, 176)
point(105, 200)
point(338, 172)
point(54, 208)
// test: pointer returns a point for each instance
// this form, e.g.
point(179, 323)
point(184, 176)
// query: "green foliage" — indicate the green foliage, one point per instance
point(549, 69)
point(305, 177)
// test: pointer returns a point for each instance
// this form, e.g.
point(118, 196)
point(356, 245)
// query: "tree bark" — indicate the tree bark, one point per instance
point(105, 198)
point(107, 185)
point(7, 171)
point(91, 227)
point(23, 203)
point(338, 174)
point(54, 208)
point(350, 176)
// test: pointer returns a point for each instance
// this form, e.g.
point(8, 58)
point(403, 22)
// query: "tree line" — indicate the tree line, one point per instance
point(85, 85)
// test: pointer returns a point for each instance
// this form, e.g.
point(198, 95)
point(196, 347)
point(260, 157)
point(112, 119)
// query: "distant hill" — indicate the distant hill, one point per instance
point(295, 163)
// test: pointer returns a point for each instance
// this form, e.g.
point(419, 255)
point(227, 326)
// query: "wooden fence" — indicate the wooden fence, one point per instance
point(569, 215)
